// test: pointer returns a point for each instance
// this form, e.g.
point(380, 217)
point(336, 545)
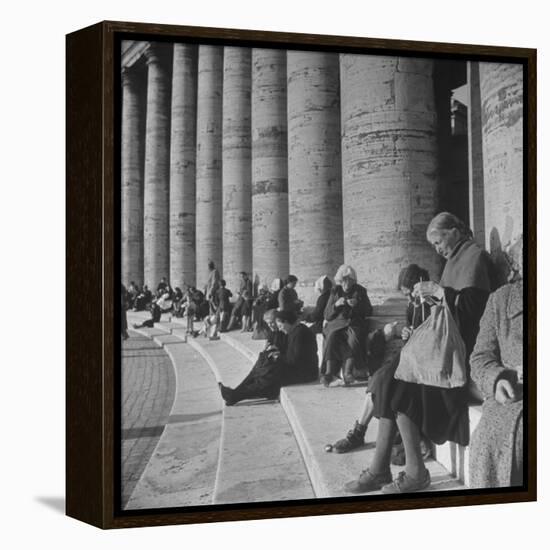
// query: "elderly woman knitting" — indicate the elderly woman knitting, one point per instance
point(346, 328)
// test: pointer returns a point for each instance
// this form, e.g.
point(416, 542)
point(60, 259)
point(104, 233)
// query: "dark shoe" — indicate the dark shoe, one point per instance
point(354, 439)
point(406, 484)
point(326, 379)
point(227, 395)
point(368, 482)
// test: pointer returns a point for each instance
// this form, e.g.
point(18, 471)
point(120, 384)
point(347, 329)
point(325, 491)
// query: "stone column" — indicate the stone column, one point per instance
point(501, 86)
point(389, 165)
point(132, 179)
point(236, 165)
point(475, 155)
point(182, 166)
point(269, 166)
point(209, 161)
point(157, 164)
point(314, 168)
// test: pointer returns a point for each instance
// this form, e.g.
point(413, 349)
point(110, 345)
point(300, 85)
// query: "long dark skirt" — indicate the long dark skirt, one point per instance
point(381, 387)
point(440, 414)
point(337, 347)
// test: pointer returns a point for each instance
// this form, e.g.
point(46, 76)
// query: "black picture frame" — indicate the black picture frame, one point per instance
point(93, 269)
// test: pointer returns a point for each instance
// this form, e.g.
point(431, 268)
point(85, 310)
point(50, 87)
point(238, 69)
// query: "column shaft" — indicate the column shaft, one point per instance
point(157, 167)
point(132, 180)
point(475, 155)
point(236, 165)
point(269, 166)
point(209, 157)
point(389, 165)
point(501, 86)
point(182, 165)
point(314, 167)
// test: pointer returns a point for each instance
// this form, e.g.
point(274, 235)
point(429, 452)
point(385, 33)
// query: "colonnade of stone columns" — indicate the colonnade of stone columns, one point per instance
point(272, 161)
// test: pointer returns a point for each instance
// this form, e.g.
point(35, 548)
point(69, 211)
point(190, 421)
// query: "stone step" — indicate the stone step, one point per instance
point(182, 469)
point(259, 457)
point(320, 416)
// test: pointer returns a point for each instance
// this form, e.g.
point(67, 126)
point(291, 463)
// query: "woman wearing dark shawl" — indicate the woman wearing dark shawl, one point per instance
point(440, 414)
point(316, 315)
point(300, 357)
point(288, 298)
point(346, 328)
point(267, 375)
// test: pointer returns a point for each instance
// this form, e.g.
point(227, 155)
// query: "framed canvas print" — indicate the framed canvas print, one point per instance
point(300, 274)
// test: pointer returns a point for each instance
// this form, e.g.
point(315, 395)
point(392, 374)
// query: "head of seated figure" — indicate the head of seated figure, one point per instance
point(323, 284)
point(445, 232)
point(269, 319)
point(409, 276)
point(285, 320)
point(291, 281)
point(346, 277)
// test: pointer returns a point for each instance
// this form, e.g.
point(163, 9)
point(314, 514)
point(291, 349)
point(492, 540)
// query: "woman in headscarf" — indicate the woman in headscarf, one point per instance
point(346, 328)
point(316, 315)
point(440, 414)
point(274, 290)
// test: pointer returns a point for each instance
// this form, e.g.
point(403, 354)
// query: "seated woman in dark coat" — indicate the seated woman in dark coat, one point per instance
point(346, 328)
point(315, 316)
point(290, 357)
point(288, 298)
point(266, 377)
point(300, 358)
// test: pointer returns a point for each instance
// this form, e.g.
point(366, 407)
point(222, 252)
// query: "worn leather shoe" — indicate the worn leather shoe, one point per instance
point(407, 484)
point(368, 482)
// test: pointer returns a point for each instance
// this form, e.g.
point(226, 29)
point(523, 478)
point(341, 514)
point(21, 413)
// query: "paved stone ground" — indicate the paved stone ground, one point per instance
point(148, 387)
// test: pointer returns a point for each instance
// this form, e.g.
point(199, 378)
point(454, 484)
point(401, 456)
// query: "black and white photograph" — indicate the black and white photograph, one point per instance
point(321, 274)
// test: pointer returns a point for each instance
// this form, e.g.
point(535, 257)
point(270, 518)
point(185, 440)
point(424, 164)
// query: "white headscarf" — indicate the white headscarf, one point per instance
point(276, 285)
point(345, 271)
point(320, 283)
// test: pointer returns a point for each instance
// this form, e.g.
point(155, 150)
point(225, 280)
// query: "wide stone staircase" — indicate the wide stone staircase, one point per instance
point(260, 450)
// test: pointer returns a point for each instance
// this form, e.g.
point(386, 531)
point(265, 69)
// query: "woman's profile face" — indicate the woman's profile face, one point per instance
point(282, 326)
point(347, 283)
point(405, 291)
point(444, 241)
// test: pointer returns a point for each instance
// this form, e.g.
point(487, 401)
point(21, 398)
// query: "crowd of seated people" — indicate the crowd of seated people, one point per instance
point(415, 413)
